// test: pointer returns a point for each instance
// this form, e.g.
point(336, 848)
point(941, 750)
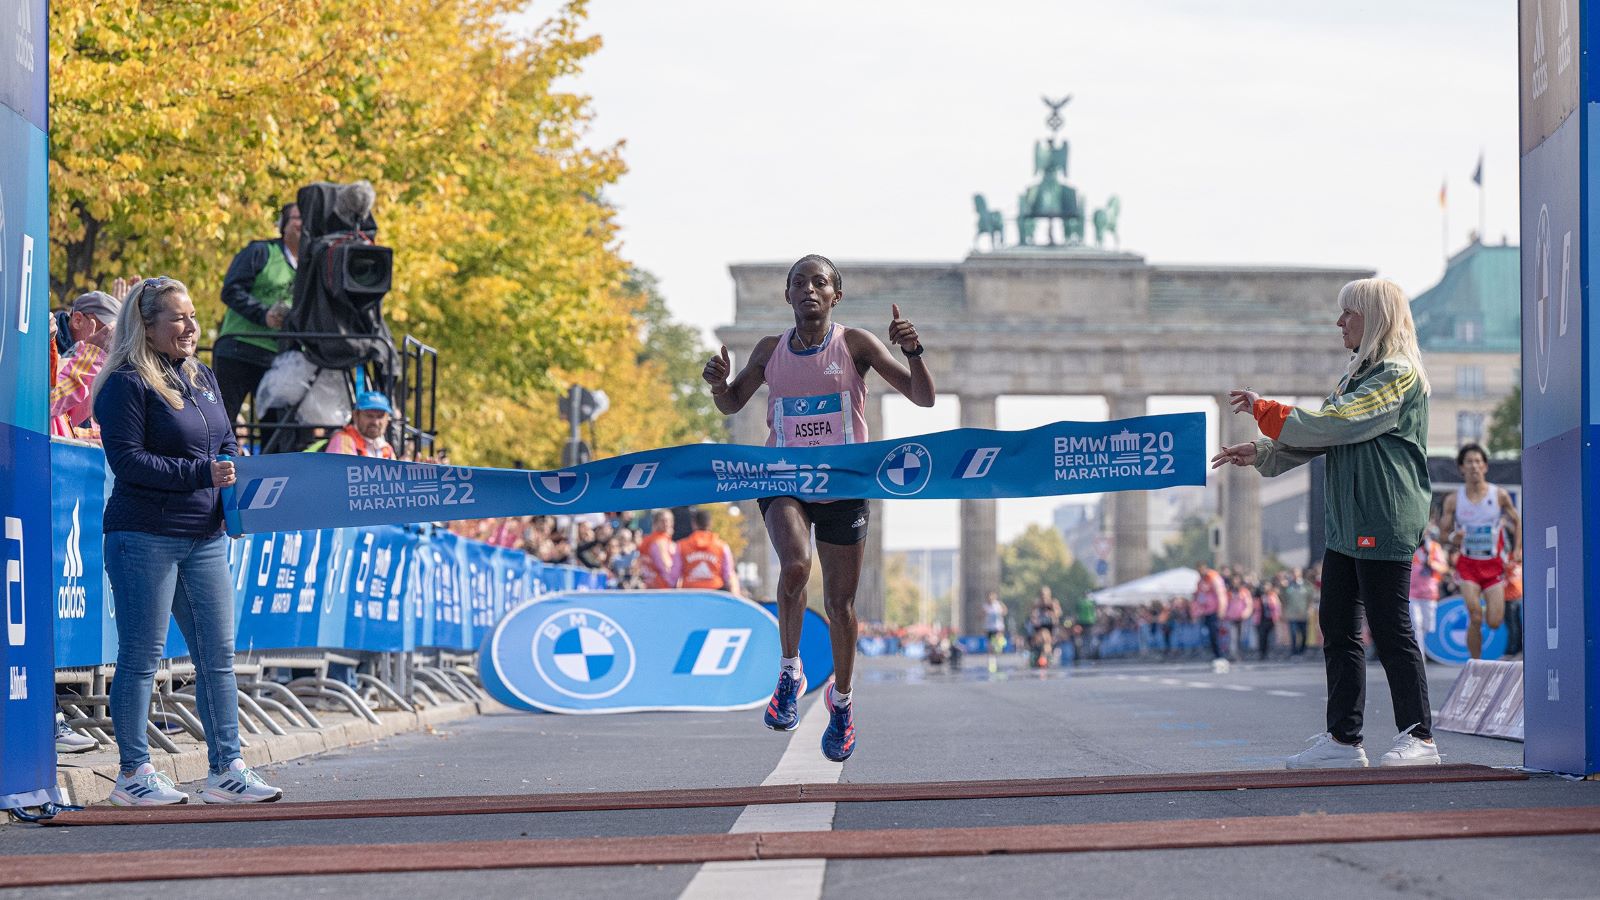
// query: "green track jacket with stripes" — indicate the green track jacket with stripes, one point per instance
point(1374, 433)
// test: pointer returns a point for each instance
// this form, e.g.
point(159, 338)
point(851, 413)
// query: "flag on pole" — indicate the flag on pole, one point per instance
point(1442, 186)
point(1477, 174)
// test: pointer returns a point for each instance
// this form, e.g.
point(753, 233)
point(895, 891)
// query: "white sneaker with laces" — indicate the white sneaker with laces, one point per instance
point(239, 784)
point(146, 787)
point(69, 741)
point(1327, 753)
point(1410, 750)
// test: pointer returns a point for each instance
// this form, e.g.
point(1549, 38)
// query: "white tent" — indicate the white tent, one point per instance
point(1177, 582)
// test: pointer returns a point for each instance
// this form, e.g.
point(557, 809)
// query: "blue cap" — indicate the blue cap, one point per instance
point(373, 400)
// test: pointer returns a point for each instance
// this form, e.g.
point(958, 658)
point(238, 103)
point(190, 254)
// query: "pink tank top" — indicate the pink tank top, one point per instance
point(816, 397)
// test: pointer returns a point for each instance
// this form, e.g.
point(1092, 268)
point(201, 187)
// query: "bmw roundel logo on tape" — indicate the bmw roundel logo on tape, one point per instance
point(562, 487)
point(906, 470)
point(583, 653)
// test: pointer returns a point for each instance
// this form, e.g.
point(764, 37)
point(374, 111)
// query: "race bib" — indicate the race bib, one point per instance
point(1481, 542)
point(820, 421)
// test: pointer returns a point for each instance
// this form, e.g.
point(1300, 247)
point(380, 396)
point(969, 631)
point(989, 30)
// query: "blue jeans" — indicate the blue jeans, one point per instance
point(152, 577)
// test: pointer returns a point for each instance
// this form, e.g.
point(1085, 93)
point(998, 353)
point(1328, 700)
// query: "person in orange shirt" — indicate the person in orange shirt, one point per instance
point(659, 562)
point(368, 431)
point(706, 560)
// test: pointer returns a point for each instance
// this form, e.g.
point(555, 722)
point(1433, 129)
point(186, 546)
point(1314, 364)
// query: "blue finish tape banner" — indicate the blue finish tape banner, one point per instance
point(291, 491)
point(816, 649)
point(386, 588)
point(632, 651)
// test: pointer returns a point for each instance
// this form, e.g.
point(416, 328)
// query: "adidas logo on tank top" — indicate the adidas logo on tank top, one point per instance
point(833, 369)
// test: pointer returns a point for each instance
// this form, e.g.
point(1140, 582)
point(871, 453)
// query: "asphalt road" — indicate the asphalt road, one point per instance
point(913, 725)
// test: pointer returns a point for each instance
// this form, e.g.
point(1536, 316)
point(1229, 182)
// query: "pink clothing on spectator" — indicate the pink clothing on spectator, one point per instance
point(1239, 605)
point(798, 380)
point(1424, 579)
point(1271, 608)
point(70, 405)
point(1206, 594)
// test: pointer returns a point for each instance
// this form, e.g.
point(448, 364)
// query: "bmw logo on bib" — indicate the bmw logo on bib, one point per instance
point(561, 488)
point(583, 654)
point(906, 470)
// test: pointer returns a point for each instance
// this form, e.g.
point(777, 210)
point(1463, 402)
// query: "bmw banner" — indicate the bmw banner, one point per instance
point(632, 651)
point(290, 491)
point(1447, 642)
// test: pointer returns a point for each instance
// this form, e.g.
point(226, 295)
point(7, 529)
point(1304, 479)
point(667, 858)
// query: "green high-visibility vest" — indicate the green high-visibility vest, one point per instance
point(274, 285)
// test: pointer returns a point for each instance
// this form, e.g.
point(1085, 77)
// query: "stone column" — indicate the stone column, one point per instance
point(749, 426)
point(870, 601)
point(1241, 496)
point(1130, 510)
point(980, 546)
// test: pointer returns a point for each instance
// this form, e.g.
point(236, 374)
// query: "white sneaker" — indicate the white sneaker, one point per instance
point(1410, 750)
point(69, 741)
point(1327, 753)
point(240, 784)
point(146, 787)
point(1220, 666)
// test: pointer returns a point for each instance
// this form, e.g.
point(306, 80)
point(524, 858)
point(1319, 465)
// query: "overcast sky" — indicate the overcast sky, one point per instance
point(1234, 131)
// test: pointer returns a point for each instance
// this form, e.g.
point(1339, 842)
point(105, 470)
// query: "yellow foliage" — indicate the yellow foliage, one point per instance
point(178, 129)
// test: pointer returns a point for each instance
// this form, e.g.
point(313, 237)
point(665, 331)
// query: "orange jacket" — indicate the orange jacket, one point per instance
point(349, 440)
point(707, 561)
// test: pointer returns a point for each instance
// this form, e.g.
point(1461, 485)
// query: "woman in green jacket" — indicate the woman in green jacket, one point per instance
point(1373, 432)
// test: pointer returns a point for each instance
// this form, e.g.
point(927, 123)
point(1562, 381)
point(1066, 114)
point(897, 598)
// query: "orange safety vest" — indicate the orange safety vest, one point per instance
point(360, 441)
point(702, 554)
point(654, 578)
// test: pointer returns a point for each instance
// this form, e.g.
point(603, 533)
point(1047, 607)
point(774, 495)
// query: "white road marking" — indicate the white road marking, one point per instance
point(1198, 684)
point(1285, 693)
point(1236, 687)
point(789, 879)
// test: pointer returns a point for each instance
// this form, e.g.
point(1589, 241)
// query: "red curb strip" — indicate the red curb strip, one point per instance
point(783, 793)
point(1248, 831)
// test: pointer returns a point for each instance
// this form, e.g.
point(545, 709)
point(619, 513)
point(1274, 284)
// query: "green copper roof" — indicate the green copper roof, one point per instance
point(1476, 306)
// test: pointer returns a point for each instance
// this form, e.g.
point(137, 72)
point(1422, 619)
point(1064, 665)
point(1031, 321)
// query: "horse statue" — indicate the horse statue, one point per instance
point(990, 222)
point(1051, 198)
point(1105, 222)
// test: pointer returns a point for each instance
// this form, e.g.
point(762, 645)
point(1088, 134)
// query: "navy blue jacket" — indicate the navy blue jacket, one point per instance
point(161, 456)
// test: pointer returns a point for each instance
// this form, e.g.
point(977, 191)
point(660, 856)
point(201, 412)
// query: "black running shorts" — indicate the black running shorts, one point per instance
point(839, 522)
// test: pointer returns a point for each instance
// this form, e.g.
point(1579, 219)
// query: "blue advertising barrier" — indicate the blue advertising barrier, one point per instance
point(290, 491)
point(1560, 93)
point(1447, 643)
point(27, 751)
point(632, 651)
point(383, 589)
point(816, 648)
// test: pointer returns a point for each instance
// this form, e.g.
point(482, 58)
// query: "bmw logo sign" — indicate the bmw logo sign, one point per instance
point(583, 654)
point(1447, 643)
point(560, 488)
point(906, 470)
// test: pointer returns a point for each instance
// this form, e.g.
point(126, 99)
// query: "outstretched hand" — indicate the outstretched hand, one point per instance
point(1243, 401)
point(716, 371)
point(902, 332)
point(1237, 455)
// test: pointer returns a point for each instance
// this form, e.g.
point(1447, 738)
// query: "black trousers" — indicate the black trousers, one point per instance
point(1378, 589)
point(239, 368)
point(1513, 627)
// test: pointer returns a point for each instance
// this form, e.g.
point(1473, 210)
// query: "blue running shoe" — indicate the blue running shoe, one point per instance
point(839, 739)
point(783, 713)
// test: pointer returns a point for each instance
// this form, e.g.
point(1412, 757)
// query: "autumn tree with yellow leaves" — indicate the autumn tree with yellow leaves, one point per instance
point(179, 127)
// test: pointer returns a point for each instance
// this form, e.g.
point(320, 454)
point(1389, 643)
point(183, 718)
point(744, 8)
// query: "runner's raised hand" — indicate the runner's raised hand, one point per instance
point(716, 371)
point(902, 332)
